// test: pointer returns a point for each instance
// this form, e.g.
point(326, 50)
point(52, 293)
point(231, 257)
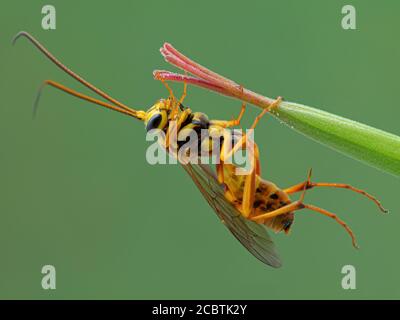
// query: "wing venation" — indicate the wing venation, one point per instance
point(253, 236)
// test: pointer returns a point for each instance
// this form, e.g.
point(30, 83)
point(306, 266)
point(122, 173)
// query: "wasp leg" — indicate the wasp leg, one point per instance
point(175, 104)
point(241, 143)
point(183, 96)
point(249, 189)
point(220, 172)
point(175, 126)
point(221, 179)
point(227, 154)
point(257, 157)
point(182, 118)
point(220, 167)
point(250, 180)
point(178, 104)
point(309, 185)
point(230, 123)
point(221, 160)
point(249, 193)
point(274, 104)
point(298, 205)
point(171, 93)
point(337, 219)
point(234, 122)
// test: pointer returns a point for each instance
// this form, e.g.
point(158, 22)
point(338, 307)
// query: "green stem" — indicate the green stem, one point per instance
point(372, 146)
point(359, 141)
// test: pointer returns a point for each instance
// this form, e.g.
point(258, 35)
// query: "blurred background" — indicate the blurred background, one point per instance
point(76, 191)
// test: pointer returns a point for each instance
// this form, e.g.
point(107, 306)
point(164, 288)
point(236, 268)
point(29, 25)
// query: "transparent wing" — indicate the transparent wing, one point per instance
point(252, 236)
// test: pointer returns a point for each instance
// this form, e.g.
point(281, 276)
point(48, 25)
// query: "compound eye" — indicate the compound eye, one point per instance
point(157, 119)
point(154, 122)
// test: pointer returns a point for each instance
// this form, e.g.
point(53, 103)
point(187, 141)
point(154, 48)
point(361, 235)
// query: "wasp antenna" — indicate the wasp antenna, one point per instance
point(64, 68)
point(36, 102)
point(17, 36)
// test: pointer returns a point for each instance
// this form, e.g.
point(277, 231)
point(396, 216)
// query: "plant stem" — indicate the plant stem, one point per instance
point(372, 146)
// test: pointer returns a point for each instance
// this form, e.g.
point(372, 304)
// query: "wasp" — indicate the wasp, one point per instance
point(246, 204)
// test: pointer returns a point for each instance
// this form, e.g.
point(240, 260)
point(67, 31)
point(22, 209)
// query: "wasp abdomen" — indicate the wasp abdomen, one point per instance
point(268, 198)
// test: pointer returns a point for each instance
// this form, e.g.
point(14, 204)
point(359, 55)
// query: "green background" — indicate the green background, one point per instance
point(76, 191)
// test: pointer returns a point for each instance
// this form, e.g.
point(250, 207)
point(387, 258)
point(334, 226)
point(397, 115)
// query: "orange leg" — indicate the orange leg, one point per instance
point(233, 122)
point(236, 122)
point(257, 158)
point(309, 185)
point(220, 172)
point(242, 141)
point(230, 123)
point(249, 190)
point(227, 154)
point(274, 104)
point(176, 103)
point(171, 94)
point(250, 180)
point(249, 187)
point(175, 106)
point(220, 165)
point(298, 205)
point(221, 179)
point(255, 170)
point(249, 193)
point(337, 219)
point(183, 96)
point(176, 126)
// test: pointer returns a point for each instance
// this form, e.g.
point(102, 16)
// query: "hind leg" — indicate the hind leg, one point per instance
point(309, 185)
point(299, 205)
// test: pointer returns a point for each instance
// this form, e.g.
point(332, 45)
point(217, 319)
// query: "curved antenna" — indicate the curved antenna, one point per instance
point(136, 114)
point(52, 58)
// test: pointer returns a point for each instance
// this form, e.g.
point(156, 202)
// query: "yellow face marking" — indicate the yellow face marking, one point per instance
point(157, 117)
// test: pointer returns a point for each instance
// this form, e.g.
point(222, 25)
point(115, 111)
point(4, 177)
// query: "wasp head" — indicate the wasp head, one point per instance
point(157, 115)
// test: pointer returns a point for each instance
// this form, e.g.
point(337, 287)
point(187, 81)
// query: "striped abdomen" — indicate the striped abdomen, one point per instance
point(268, 198)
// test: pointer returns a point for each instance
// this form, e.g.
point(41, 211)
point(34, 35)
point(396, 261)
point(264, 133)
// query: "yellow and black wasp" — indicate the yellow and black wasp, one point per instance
point(246, 204)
